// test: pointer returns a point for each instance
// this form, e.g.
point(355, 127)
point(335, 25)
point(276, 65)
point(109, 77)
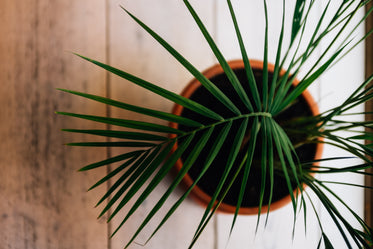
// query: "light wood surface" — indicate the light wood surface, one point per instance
point(43, 199)
point(144, 57)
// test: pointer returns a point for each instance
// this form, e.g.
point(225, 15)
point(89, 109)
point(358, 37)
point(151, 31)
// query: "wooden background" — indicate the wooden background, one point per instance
point(43, 199)
point(369, 107)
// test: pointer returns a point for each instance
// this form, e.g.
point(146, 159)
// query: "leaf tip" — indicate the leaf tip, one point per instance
point(123, 8)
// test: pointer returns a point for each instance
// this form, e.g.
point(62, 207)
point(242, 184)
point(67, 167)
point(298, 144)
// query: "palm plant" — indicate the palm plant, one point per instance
point(270, 147)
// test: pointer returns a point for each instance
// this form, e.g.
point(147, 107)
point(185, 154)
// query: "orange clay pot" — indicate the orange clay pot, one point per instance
point(197, 193)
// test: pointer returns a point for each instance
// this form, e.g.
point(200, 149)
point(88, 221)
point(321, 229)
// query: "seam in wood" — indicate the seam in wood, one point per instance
point(108, 108)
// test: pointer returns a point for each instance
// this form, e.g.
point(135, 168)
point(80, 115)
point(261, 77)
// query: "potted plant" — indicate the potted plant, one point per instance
point(251, 122)
point(307, 148)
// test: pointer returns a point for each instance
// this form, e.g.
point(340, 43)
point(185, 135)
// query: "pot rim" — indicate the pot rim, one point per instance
point(198, 194)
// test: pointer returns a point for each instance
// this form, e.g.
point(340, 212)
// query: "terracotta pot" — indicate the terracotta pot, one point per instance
point(200, 195)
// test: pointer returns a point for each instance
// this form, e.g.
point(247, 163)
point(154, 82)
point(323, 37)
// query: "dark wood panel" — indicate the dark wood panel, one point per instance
point(43, 203)
point(369, 108)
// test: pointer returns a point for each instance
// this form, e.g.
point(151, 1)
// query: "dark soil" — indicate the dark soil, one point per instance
point(211, 179)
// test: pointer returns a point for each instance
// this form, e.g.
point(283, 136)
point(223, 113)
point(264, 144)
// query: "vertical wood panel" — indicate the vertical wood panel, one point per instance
point(43, 200)
point(278, 232)
point(336, 85)
point(327, 92)
point(133, 50)
point(369, 108)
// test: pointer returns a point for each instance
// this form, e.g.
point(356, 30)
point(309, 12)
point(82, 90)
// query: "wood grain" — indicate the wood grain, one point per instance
point(369, 108)
point(133, 50)
point(277, 233)
point(43, 200)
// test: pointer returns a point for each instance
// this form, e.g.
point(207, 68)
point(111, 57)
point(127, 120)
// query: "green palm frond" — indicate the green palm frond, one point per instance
point(269, 148)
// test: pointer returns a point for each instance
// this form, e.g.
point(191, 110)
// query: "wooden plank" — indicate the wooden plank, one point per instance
point(44, 203)
point(140, 48)
point(369, 108)
point(334, 84)
point(133, 50)
point(277, 233)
